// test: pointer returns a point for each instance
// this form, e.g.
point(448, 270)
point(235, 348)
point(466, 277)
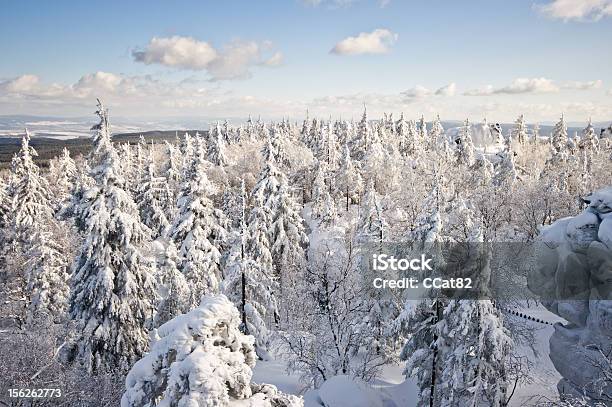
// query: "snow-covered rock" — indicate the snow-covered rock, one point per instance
point(574, 277)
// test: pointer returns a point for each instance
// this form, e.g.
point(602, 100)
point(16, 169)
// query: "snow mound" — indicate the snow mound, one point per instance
point(344, 391)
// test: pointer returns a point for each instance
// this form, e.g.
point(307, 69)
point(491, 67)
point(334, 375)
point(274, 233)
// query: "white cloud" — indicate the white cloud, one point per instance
point(448, 90)
point(378, 41)
point(420, 92)
point(582, 85)
point(178, 52)
point(233, 61)
point(528, 85)
point(23, 83)
point(533, 85)
point(518, 86)
point(577, 9)
point(329, 3)
point(274, 60)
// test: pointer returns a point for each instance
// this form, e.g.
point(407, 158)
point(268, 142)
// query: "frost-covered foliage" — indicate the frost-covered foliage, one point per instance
point(465, 145)
point(199, 359)
point(153, 192)
point(199, 230)
point(216, 146)
point(46, 276)
point(251, 286)
point(175, 290)
point(113, 291)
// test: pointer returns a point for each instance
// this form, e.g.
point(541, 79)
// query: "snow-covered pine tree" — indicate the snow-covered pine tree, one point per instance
point(152, 195)
point(401, 130)
point(435, 134)
point(305, 132)
point(249, 286)
point(319, 190)
point(216, 146)
point(559, 138)
point(277, 134)
point(172, 170)
point(535, 134)
point(65, 180)
point(519, 132)
point(47, 277)
point(29, 192)
point(200, 359)
point(349, 181)
point(414, 145)
point(423, 135)
point(5, 207)
point(287, 234)
point(472, 342)
point(372, 224)
point(465, 145)
point(113, 290)
point(187, 149)
point(361, 142)
point(199, 230)
point(175, 290)
point(506, 174)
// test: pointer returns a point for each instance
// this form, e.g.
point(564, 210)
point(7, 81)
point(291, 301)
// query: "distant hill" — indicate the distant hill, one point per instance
point(49, 147)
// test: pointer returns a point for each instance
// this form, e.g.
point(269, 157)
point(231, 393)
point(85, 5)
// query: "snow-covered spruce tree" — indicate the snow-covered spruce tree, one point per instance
point(216, 146)
point(172, 171)
point(401, 130)
point(428, 227)
point(75, 206)
point(349, 181)
point(472, 342)
point(280, 217)
point(113, 291)
point(65, 180)
point(250, 287)
point(29, 192)
point(506, 173)
point(519, 132)
point(361, 142)
point(199, 230)
point(319, 190)
point(372, 224)
point(535, 137)
point(277, 136)
point(423, 135)
point(47, 277)
point(418, 319)
point(465, 146)
point(187, 150)
point(559, 138)
point(287, 235)
point(175, 290)
point(200, 359)
point(152, 194)
point(5, 207)
point(435, 134)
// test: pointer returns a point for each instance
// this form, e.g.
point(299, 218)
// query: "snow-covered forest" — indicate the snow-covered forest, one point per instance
point(223, 268)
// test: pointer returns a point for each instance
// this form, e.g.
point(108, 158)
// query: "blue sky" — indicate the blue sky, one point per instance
point(233, 58)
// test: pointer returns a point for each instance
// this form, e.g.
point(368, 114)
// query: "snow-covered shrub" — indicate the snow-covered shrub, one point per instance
point(199, 359)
